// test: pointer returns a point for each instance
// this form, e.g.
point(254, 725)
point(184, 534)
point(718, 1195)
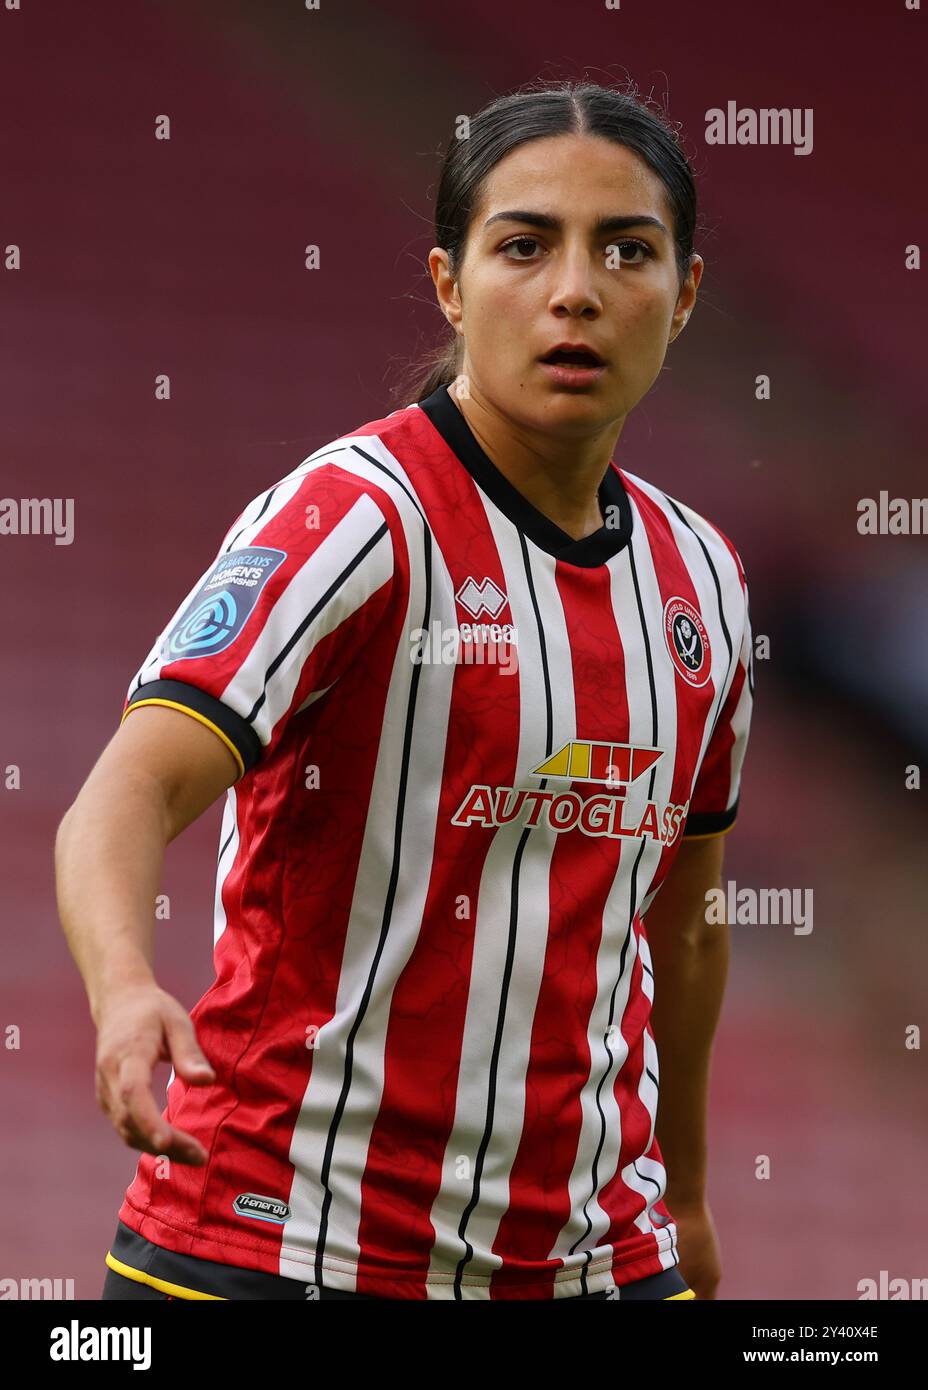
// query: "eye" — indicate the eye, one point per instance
point(519, 241)
point(626, 248)
point(635, 245)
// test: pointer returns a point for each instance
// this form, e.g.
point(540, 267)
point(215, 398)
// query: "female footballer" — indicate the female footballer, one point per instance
point(478, 700)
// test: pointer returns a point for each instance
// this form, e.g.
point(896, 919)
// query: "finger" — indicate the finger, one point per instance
point(101, 1090)
point(187, 1057)
point(159, 1138)
point(137, 1107)
point(184, 1148)
point(177, 1145)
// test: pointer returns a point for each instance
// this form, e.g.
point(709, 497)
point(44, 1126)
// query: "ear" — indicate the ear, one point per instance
point(686, 299)
point(446, 288)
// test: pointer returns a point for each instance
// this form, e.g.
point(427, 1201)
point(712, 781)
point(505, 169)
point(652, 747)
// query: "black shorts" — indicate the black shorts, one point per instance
point(140, 1270)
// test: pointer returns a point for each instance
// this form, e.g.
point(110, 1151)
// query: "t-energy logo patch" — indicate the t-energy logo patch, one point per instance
point(219, 609)
point(261, 1208)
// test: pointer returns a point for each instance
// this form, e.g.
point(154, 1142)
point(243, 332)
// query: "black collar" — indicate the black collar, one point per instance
point(594, 549)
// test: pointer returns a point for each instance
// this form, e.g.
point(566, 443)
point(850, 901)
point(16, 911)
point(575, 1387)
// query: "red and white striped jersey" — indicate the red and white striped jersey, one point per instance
point(469, 748)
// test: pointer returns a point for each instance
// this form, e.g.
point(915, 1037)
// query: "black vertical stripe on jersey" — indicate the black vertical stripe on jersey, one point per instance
point(389, 897)
point(747, 604)
point(732, 656)
point(713, 822)
point(270, 493)
point(314, 612)
point(224, 847)
point(376, 463)
point(646, 1177)
point(633, 897)
point(267, 502)
point(607, 1071)
point(511, 941)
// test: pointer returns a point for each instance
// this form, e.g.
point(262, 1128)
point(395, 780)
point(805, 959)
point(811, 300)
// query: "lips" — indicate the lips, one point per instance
point(573, 355)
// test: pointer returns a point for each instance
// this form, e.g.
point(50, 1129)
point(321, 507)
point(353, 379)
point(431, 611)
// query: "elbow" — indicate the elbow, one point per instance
point(64, 827)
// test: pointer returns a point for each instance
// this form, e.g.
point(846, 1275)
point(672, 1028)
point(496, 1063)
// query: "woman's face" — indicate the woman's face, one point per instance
point(524, 287)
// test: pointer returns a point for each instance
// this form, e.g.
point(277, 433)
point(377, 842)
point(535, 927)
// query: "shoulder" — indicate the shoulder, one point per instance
point(691, 526)
point(358, 472)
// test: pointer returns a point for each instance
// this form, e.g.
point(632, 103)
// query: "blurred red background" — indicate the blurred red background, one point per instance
point(185, 257)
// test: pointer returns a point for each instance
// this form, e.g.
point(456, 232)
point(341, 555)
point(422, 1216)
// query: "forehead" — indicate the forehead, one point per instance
point(573, 176)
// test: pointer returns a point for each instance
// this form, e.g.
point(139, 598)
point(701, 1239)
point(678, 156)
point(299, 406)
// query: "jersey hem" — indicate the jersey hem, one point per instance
point(596, 1276)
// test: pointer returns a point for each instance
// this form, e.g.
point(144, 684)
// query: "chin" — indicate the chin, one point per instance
point(577, 405)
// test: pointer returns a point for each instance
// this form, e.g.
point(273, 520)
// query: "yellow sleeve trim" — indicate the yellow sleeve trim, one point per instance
point(709, 835)
point(689, 1292)
point(194, 714)
point(163, 1286)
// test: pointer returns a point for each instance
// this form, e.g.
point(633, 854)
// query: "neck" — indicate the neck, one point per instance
point(560, 477)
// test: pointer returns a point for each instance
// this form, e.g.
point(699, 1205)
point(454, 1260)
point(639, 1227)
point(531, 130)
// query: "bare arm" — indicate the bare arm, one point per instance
point(690, 959)
point(159, 772)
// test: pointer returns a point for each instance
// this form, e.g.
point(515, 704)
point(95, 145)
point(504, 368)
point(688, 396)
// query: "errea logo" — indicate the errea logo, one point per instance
point(485, 597)
point(261, 1208)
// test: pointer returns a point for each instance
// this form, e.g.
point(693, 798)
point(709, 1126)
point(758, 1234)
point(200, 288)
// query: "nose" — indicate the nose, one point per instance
point(574, 290)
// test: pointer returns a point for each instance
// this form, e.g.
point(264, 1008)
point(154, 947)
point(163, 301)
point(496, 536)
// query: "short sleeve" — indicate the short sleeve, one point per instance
point(300, 581)
point(714, 802)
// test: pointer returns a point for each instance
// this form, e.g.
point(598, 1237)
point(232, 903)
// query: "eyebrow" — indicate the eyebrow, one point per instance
point(554, 224)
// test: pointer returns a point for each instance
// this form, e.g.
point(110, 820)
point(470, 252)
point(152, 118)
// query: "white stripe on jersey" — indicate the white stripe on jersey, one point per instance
point(636, 865)
point(228, 849)
point(506, 871)
point(266, 681)
point(378, 922)
point(707, 577)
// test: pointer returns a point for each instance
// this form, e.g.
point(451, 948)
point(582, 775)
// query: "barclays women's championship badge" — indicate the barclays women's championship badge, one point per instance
point(216, 614)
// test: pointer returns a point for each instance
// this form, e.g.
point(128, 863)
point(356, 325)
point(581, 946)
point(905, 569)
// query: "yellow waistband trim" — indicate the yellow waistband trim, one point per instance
point(179, 1291)
point(194, 714)
point(162, 1285)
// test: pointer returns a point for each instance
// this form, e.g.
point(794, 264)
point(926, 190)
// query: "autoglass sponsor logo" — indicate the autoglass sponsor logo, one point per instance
point(616, 765)
point(261, 1208)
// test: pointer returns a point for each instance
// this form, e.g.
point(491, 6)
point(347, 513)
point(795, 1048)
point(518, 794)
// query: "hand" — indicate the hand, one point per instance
point(698, 1246)
point(137, 1027)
